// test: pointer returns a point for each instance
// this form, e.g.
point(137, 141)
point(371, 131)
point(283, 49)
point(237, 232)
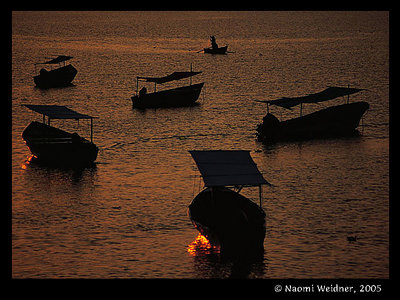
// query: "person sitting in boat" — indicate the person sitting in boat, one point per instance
point(214, 44)
point(43, 72)
point(143, 91)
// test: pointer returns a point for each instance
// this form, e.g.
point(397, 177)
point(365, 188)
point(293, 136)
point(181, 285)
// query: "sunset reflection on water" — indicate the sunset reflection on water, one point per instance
point(125, 217)
point(201, 246)
point(28, 161)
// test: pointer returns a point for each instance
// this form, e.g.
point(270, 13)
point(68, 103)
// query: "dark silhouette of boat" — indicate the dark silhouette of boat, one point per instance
point(56, 147)
point(214, 49)
point(176, 97)
point(59, 77)
point(334, 121)
point(219, 50)
point(226, 218)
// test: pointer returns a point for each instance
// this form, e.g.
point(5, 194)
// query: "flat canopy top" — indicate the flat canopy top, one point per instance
point(227, 168)
point(327, 94)
point(170, 77)
point(57, 112)
point(56, 60)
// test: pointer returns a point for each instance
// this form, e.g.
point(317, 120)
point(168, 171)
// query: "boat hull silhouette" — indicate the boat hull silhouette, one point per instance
point(57, 147)
point(219, 50)
point(340, 120)
point(177, 97)
point(229, 220)
point(59, 77)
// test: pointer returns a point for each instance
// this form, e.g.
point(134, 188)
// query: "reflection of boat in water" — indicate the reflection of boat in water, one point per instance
point(59, 77)
point(339, 120)
point(225, 217)
point(176, 97)
point(57, 147)
point(214, 49)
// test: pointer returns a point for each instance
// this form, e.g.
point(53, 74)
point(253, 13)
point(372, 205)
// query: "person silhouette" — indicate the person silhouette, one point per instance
point(214, 44)
point(143, 91)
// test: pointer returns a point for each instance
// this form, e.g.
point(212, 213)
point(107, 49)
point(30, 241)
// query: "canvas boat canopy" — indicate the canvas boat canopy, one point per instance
point(57, 60)
point(60, 112)
point(170, 77)
point(57, 112)
point(228, 168)
point(327, 94)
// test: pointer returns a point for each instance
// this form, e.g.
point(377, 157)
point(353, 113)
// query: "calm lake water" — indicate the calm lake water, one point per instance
point(127, 216)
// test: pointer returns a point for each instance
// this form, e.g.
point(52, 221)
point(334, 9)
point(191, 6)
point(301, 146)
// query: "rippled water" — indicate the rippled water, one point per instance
point(126, 217)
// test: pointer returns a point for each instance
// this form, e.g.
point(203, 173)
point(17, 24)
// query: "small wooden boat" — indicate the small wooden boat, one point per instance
point(56, 147)
point(214, 49)
point(225, 217)
point(334, 121)
point(60, 77)
point(219, 50)
point(176, 97)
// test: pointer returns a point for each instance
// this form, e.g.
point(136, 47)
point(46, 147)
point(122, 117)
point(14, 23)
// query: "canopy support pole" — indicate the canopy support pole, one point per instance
point(190, 78)
point(348, 96)
point(91, 130)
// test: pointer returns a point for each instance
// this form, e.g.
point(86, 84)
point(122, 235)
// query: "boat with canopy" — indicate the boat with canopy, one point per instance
point(339, 120)
point(59, 77)
point(181, 96)
point(219, 212)
point(57, 147)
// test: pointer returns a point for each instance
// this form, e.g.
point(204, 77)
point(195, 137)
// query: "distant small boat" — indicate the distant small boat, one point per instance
point(57, 147)
point(214, 49)
point(219, 50)
point(176, 97)
point(59, 77)
point(352, 238)
point(225, 217)
point(339, 120)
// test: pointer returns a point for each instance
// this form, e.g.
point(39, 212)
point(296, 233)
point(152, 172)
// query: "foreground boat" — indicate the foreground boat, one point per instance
point(176, 97)
point(334, 121)
point(225, 217)
point(59, 77)
point(56, 147)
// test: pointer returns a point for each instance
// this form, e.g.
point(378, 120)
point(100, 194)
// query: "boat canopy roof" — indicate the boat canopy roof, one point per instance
point(57, 112)
point(228, 168)
point(327, 94)
point(56, 60)
point(170, 77)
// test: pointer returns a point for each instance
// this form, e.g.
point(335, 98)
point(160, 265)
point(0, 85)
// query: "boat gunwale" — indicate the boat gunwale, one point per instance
point(173, 89)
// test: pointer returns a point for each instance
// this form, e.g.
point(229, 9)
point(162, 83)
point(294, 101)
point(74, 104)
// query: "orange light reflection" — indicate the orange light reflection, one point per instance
point(201, 246)
point(28, 161)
